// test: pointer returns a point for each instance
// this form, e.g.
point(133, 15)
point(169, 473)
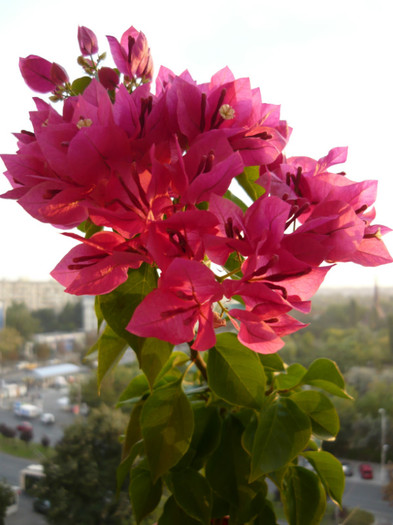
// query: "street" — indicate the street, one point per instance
point(48, 401)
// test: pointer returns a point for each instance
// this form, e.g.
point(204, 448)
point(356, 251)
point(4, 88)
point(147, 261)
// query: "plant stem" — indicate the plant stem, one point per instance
point(199, 363)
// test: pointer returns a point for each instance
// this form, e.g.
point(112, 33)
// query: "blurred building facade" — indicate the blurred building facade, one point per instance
point(43, 294)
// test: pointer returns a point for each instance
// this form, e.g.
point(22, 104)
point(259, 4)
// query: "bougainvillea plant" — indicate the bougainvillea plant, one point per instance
point(199, 281)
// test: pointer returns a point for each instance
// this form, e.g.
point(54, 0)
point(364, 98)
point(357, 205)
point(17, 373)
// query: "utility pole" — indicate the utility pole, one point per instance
point(382, 411)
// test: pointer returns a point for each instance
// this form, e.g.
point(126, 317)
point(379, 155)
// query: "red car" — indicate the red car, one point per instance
point(25, 426)
point(366, 471)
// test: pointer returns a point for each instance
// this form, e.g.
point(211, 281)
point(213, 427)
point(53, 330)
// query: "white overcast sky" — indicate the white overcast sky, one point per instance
point(329, 65)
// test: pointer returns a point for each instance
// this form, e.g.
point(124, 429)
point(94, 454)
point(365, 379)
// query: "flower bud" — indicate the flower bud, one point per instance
point(87, 41)
point(108, 77)
point(41, 75)
point(132, 54)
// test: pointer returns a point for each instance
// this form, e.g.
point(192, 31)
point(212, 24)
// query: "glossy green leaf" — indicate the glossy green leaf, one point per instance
point(330, 471)
point(291, 377)
point(173, 514)
point(133, 431)
point(167, 425)
point(266, 515)
point(144, 495)
point(135, 389)
point(235, 372)
point(227, 469)
point(169, 371)
point(304, 497)
point(324, 418)
point(324, 373)
point(283, 431)
point(153, 354)
point(118, 307)
point(111, 347)
point(192, 493)
point(98, 312)
point(206, 436)
point(272, 362)
point(89, 228)
point(247, 181)
point(125, 465)
point(79, 85)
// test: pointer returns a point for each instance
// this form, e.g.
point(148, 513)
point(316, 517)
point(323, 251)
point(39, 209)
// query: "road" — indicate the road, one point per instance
point(367, 495)
point(48, 401)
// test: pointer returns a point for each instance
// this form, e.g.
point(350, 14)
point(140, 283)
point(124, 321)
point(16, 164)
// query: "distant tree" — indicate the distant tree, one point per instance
point(45, 441)
point(70, 317)
point(80, 478)
point(11, 342)
point(7, 432)
point(7, 498)
point(47, 318)
point(26, 436)
point(18, 316)
point(42, 351)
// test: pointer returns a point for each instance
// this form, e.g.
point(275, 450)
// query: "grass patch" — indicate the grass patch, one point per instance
point(16, 447)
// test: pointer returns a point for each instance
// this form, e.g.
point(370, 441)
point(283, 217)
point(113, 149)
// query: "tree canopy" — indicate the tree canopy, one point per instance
point(80, 478)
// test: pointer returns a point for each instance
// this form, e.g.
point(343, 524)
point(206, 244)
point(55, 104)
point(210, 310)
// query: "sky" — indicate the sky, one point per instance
point(328, 64)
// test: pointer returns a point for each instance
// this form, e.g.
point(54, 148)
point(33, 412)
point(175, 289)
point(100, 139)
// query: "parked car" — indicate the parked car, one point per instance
point(366, 471)
point(25, 426)
point(347, 469)
point(41, 505)
point(47, 418)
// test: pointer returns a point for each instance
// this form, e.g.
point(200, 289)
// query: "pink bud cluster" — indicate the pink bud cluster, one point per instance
point(152, 169)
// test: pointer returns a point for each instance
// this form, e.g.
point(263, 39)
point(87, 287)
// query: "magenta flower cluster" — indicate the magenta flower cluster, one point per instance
point(151, 168)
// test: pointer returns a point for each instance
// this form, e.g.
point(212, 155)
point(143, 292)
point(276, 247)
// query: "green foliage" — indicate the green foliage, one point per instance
point(10, 343)
point(80, 478)
point(18, 316)
point(247, 181)
point(205, 431)
point(7, 498)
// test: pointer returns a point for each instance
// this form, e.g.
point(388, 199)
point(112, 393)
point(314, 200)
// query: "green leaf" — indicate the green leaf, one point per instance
point(153, 354)
point(247, 182)
point(249, 434)
point(192, 493)
point(133, 431)
point(235, 372)
point(291, 377)
point(330, 472)
point(272, 362)
point(324, 419)
point(304, 497)
point(175, 360)
point(144, 495)
point(266, 515)
point(135, 389)
point(206, 436)
point(89, 228)
point(173, 515)
point(111, 347)
point(283, 431)
point(80, 84)
point(232, 197)
point(118, 307)
point(324, 373)
point(227, 469)
point(98, 312)
point(167, 426)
